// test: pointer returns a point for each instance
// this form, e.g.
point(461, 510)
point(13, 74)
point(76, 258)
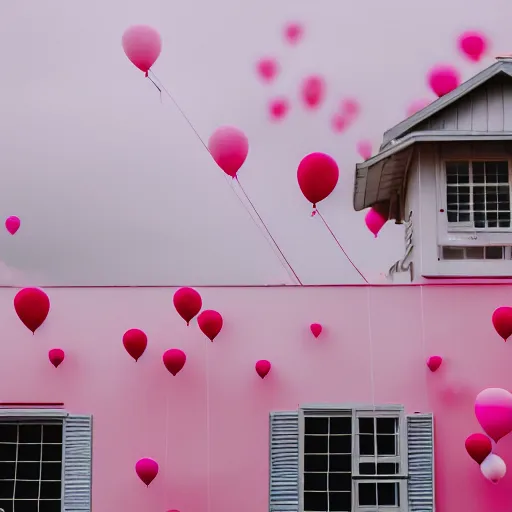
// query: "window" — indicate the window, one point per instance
point(352, 458)
point(40, 452)
point(367, 459)
point(478, 194)
point(474, 252)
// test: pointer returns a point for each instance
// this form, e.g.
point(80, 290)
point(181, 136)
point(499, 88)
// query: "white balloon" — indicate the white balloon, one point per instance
point(493, 468)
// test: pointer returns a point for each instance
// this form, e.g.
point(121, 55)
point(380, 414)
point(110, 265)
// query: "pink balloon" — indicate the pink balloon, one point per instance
point(374, 221)
point(313, 91)
point(443, 79)
point(142, 45)
point(364, 148)
point(316, 329)
point(267, 69)
point(339, 123)
point(146, 470)
point(473, 45)
point(493, 468)
point(12, 224)
point(434, 362)
point(229, 148)
point(350, 108)
point(278, 108)
point(416, 106)
point(502, 321)
point(493, 410)
point(293, 32)
point(263, 367)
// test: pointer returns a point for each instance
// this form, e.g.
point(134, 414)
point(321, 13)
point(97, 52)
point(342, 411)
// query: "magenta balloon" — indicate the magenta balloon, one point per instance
point(493, 410)
point(12, 224)
point(142, 45)
point(374, 221)
point(443, 79)
point(229, 148)
point(146, 470)
point(473, 45)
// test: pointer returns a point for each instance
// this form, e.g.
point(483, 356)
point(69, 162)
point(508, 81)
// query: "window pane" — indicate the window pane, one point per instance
point(52, 452)
point(6, 489)
point(53, 470)
point(7, 470)
point(315, 502)
point(340, 425)
point(474, 253)
point(311, 463)
point(26, 490)
point(366, 425)
point(387, 468)
point(30, 433)
point(52, 433)
point(28, 471)
point(340, 501)
point(340, 444)
point(387, 444)
point(315, 444)
point(366, 444)
point(49, 506)
point(340, 462)
point(51, 490)
point(494, 252)
point(6, 505)
point(316, 425)
point(387, 494)
point(478, 172)
point(315, 481)
point(7, 452)
point(367, 494)
point(29, 452)
point(340, 481)
point(387, 425)
point(8, 433)
point(452, 253)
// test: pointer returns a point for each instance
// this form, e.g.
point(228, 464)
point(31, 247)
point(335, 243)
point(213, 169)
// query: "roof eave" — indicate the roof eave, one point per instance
point(417, 137)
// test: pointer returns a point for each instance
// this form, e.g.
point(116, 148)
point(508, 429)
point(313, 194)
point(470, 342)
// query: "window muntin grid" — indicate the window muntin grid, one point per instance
point(478, 194)
point(31, 466)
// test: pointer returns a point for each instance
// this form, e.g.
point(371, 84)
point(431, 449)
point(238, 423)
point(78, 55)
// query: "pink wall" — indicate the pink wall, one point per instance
point(208, 427)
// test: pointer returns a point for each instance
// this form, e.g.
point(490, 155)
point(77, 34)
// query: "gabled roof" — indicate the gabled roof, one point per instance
point(502, 65)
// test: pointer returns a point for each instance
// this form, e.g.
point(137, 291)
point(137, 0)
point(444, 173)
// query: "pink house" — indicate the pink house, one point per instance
point(350, 421)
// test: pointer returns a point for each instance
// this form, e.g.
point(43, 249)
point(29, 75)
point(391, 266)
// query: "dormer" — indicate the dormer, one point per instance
point(445, 172)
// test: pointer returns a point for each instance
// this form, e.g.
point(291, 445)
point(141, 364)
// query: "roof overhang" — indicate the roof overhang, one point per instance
point(381, 177)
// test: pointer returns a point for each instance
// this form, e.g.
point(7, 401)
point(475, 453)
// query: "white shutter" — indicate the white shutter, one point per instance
point(420, 453)
point(77, 463)
point(284, 461)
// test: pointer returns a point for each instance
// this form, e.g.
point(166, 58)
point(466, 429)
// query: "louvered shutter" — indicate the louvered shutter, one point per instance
point(77, 463)
point(284, 461)
point(420, 454)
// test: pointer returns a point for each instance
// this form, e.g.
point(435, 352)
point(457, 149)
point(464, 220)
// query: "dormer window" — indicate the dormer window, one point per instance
point(478, 195)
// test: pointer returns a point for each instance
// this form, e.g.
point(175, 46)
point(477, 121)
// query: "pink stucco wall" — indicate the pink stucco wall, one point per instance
point(208, 427)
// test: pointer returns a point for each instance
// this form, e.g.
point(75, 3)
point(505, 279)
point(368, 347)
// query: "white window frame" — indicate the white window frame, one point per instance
point(356, 412)
point(44, 414)
point(468, 227)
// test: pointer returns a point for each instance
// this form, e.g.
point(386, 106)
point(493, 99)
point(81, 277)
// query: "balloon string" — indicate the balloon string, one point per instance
point(208, 446)
point(272, 242)
point(154, 83)
point(316, 211)
point(372, 366)
point(423, 342)
point(288, 264)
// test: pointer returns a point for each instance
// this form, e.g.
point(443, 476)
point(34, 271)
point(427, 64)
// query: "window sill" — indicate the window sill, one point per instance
point(470, 268)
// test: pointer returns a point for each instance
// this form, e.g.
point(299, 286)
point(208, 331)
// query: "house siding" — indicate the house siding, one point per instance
point(487, 109)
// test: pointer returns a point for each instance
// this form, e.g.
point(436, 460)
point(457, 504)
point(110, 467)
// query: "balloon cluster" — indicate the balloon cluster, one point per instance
point(493, 410)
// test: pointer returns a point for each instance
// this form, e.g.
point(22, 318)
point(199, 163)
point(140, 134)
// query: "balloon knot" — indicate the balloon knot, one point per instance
point(146, 74)
point(188, 323)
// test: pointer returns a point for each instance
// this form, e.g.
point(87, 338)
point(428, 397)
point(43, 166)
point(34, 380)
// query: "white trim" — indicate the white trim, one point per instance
point(35, 413)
